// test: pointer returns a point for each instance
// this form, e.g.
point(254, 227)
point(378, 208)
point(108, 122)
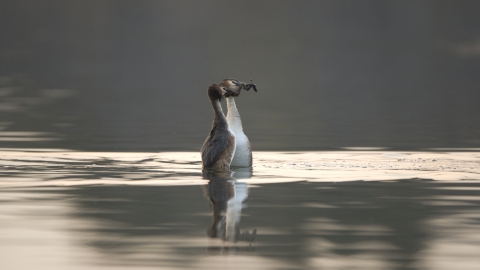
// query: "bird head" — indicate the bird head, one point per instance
point(231, 87)
point(234, 87)
point(232, 84)
point(218, 92)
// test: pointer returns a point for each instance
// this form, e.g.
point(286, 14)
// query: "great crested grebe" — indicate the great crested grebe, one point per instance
point(219, 148)
point(243, 152)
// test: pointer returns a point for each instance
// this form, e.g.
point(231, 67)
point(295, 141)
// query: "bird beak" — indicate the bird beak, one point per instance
point(242, 86)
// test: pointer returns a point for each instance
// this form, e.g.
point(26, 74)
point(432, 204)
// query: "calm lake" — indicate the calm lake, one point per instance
point(295, 210)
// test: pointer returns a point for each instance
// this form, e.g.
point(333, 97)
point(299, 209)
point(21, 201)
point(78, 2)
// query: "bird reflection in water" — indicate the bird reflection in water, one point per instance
point(227, 195)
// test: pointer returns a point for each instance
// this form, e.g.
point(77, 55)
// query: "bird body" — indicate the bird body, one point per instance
point(219, 147)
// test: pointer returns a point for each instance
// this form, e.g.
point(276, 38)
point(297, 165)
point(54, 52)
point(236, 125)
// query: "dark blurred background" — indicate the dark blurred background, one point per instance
point(132, 75)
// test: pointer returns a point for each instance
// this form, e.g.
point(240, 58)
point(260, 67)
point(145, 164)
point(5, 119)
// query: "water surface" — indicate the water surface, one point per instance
point(337, 210)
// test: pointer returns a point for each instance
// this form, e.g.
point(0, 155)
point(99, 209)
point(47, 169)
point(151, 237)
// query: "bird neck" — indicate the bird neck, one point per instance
point(219, 119)
point(233, 116)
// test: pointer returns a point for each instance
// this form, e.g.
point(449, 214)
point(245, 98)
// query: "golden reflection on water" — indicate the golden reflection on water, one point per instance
point(72, 168)
point(305, 210)
point(24, 136)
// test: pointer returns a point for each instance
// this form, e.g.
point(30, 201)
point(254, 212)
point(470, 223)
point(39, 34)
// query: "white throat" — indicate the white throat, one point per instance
point(233, 116)
point(243, 153)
